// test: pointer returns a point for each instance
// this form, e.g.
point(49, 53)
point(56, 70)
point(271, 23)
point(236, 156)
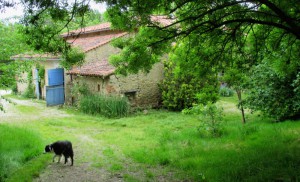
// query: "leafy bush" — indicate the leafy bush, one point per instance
point(17, 146)
point(226, 92)
point(109, 106)
point(210, 117)
point(276, 95)
point(181, 89)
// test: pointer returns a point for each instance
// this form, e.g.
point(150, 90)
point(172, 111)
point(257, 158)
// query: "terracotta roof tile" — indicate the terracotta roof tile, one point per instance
point(92, 42)
point(89, 29)
point(94, 68)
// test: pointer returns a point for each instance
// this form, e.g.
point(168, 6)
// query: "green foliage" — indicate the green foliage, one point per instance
point(72, 57)
point(43, 29)
point(11, 43)
point(210, 117)
point(17, 146)
point(80, 90)
point(108, 106)
point(137, 52)
point(30, 90)
point(187, 78)
point(226, 92)
point(178, 92)
point(272, 93)
point(41, 71)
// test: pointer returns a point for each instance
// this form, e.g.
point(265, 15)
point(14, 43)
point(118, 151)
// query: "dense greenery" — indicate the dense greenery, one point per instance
point(186, 79)
point(276, 95)
point(11, 44)
point(17, 146)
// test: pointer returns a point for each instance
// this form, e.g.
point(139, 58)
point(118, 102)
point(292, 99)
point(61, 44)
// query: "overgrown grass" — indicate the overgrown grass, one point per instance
point(17, 146)
point(161, 145)
point(258, 151)
point(109, 106)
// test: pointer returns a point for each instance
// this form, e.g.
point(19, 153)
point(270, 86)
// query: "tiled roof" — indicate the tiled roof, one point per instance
point(92, 42)
point(94, 68)
point(87, 43)
point(90, 29)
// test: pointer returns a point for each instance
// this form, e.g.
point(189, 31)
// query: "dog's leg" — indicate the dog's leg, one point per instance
point(66, 159)
point(53, 158)
point(59, 157)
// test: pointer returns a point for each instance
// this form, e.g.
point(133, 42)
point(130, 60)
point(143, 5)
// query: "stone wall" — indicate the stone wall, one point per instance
point(141, 89)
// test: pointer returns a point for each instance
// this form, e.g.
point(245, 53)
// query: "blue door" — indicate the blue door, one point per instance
point(55, 92)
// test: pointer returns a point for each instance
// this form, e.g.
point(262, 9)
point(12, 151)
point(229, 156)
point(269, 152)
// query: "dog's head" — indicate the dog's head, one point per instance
point(48, 148)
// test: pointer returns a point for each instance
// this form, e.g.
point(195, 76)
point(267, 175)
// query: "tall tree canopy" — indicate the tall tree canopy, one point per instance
point(272, 24)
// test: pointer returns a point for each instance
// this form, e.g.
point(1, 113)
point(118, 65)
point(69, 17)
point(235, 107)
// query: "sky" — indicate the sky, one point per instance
point(18, 10)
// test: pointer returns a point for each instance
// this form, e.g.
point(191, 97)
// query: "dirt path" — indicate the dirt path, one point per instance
point(82, 169)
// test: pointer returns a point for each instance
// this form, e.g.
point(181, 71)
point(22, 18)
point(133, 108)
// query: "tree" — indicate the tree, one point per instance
point(228, 21)
point(11, 44)
point(252, 28)
point(190, 76)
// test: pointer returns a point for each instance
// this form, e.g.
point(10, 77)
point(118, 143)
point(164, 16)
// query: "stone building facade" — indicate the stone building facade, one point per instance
point(98, 75)
point(46, 61)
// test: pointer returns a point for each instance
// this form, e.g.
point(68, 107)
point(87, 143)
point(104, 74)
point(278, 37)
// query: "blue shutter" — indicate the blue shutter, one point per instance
point(55, 77)
point(55, 95)
point(55, 92)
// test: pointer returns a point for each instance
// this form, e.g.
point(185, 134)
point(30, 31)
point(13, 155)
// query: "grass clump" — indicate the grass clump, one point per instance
point(226, 92)
point(17, 146)
point(108, 106)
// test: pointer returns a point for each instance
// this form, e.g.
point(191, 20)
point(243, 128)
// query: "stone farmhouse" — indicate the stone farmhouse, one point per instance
point(96, 73)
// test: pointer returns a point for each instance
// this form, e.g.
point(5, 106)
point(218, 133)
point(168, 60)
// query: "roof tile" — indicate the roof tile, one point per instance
point(93, 68)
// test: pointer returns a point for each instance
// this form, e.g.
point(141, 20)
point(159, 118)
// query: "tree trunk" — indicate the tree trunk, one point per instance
point(239, 94)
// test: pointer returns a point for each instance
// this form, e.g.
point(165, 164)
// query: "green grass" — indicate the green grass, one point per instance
point(109, 106)
point(18, 146)
point(31, 169)
point(147, 147)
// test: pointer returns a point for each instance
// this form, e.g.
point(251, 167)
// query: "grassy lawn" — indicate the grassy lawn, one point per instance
point(147, 147)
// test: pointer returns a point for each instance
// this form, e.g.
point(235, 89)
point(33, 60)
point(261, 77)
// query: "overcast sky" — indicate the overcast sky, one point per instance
point(18, 10)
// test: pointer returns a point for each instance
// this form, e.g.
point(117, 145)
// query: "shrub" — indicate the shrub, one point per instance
point(226, 92)
point(210, 117)
point(181, 88)
point(276, 95)
point(109, 106)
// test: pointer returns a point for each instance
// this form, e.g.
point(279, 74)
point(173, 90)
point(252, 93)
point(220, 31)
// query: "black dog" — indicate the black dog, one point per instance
point(61, 148)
